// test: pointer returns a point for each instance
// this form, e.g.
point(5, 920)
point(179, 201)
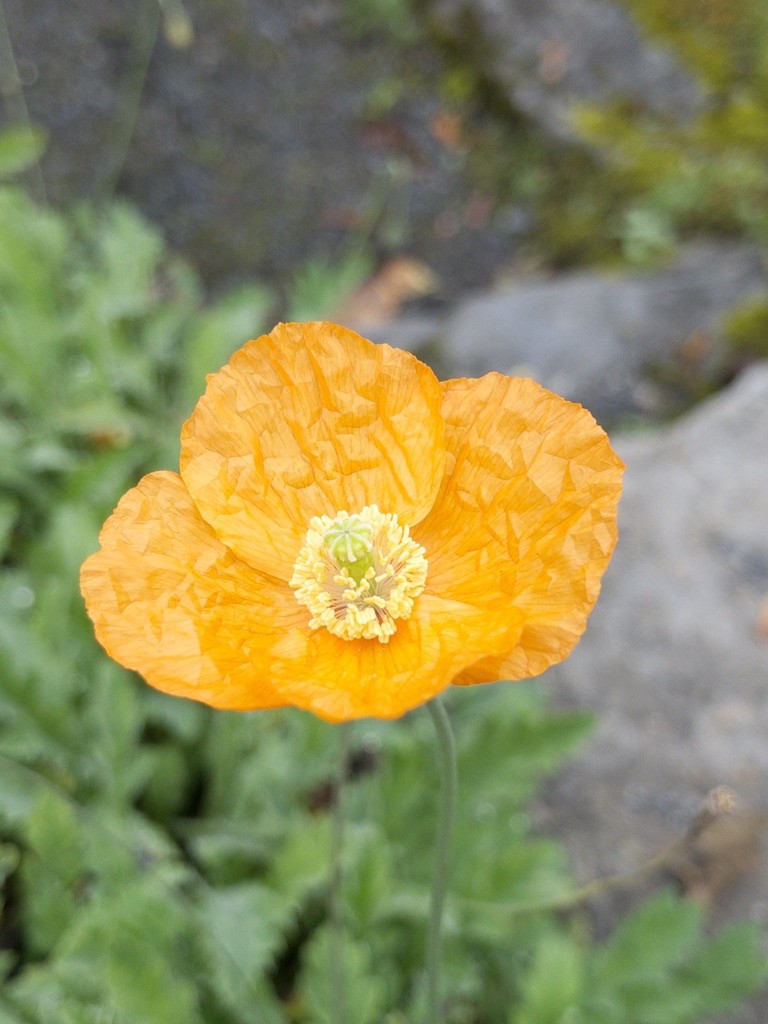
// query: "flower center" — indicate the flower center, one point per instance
point(358, 572)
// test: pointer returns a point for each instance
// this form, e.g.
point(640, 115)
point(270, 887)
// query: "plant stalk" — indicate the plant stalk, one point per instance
point(335, 909)
point(447, 814)
point(15, 102)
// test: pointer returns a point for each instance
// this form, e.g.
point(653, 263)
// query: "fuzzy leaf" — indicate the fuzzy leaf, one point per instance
point(650, 942)
point(728, 967)
point(128, 952)
point(363, 990)
point(20, 147)
point(50, 871)
point(552, 989)
point(243, 930)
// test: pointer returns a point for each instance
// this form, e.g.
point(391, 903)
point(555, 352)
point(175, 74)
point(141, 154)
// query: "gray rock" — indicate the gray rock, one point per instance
point(671, 660)
point(547, 55)
point(592, 337)
point(672, 663)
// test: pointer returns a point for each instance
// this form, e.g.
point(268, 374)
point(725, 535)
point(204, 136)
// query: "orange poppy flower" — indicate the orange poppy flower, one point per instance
point(351, 536)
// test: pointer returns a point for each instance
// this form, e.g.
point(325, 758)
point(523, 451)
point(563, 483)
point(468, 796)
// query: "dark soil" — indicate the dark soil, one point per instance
point(288, 129)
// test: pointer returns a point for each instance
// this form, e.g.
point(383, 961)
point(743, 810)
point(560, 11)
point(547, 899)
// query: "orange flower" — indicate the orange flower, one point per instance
point(350, 536)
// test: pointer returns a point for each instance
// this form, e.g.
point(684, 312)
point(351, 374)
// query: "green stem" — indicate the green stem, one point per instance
point(123, 127)
point(336, 914)
point(448, 789)
point(15, 102)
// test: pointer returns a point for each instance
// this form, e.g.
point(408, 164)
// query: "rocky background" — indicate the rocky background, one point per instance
point(288, 130)
point(675, 662)
point(258, 133)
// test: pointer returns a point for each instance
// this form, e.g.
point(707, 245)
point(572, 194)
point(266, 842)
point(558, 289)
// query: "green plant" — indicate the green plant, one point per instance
point(20, 148)
point(746, 329)
point(394, 19)
point(707, 174)
point(318, 287)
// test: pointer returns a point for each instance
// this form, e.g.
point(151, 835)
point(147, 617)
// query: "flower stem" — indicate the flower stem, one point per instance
point(336, 915)
point(448, 788)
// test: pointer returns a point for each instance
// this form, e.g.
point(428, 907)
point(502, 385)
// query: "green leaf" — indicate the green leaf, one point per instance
point(260, 1005)
point(228, 851)
point(649, 942)
point(38, 995)
point(124, 847)
point(114, 719)
point(728, 967)
point(129, 953)
point(20, 147)
point(242, 930)
point(517, 731)
point(168, 782)
point(368, 883)
point(18, 792)
point(552, 988)
point(9, 512)
point(50, 871)
point(181, 719)
point(320, 287)
point(525, 871)
point(217, 333)
point(9, 861)
point(363, 991)
point(301, 865)
point(9, 1016)
point(658, 1002)
point(128, 254)
point(243, 927)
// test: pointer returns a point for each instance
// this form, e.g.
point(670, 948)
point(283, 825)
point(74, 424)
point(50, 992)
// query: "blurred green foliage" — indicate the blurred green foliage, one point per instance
point(746, 328)
point(319, 287)
point(633, 184)
point(20, 148)
point(707, 174)
point(394, 18)
point(164, 864)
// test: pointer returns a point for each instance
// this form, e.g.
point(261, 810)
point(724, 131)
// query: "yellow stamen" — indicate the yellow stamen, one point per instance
point(357, 573)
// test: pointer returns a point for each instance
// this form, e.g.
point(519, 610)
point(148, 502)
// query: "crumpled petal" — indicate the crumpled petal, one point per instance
point(168, 600)
point(341, 679)
point(310, 420)
point(526, 517)
point(511, 490)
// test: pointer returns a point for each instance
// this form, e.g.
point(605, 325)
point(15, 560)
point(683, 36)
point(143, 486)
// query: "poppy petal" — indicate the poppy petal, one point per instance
point(170, 601)
point(311, 420)
point(342, 679)
point(526, 517)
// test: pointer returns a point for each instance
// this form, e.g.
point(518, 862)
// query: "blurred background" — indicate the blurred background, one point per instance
point(573, 190)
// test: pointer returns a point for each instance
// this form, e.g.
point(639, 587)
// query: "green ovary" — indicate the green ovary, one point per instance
point(350, 543)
